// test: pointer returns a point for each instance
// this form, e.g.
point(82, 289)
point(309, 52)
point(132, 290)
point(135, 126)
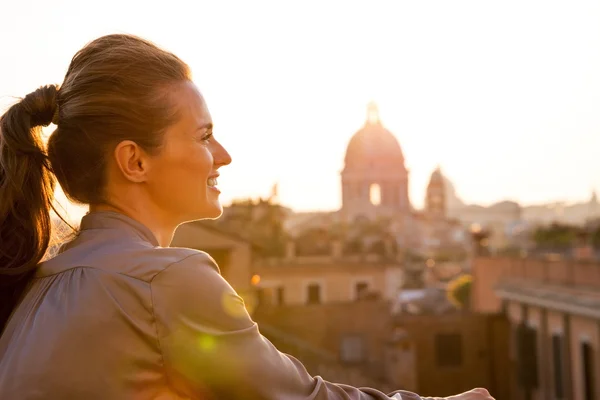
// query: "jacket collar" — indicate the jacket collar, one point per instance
point(115, 220)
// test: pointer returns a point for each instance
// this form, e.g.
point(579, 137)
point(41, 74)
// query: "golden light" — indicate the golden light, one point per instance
point(475, 228)
point(233, 305)
point(207, 343)
point(255, 280)
point(250, 300)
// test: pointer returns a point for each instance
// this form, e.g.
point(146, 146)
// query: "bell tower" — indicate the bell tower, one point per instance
point(435, 198)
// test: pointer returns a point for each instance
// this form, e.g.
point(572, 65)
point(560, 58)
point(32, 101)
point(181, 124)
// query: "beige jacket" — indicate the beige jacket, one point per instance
point(115, 316)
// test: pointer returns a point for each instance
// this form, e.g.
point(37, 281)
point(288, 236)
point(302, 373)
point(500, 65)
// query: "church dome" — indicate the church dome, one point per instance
point(373, 144)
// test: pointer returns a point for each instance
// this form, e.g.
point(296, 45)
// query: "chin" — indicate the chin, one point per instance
point(215, 214)
point(212, 210)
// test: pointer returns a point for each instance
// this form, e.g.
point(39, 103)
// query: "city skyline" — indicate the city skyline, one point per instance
point(506, 98)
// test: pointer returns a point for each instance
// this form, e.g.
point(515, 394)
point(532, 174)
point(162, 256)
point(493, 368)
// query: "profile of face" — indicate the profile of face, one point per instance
point(182, 176)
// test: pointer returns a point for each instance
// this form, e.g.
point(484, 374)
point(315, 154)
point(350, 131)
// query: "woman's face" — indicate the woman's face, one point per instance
point(183, 176)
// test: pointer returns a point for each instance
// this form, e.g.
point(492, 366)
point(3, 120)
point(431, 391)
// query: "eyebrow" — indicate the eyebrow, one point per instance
point(207, 126)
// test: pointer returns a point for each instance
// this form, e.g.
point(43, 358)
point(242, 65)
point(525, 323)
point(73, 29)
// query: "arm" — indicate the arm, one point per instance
point(211, 347)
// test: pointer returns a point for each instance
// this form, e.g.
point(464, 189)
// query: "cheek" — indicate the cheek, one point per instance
point(193, 169)
point(199, 163)
point(183, 169)
point(192, 159)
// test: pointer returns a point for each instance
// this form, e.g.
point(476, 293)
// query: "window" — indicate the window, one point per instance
point(558, 361)
point(279, 296)
point(352, 349)
point(360, 290)
point(314, 293)
point(375, 194)
point(587, 358)
point(448, 349)
point(527, 357)
point(260, 297)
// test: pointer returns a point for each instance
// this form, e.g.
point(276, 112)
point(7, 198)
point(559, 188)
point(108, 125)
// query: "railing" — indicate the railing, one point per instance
point(559, 272)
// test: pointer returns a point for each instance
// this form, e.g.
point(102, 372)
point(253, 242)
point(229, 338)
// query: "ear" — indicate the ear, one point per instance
point(132, 161)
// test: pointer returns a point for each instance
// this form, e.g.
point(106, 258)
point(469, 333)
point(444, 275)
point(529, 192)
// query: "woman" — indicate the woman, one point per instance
point(117, 314)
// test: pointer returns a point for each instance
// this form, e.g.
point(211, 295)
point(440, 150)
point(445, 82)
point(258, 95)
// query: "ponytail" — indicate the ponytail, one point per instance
point(26, 194)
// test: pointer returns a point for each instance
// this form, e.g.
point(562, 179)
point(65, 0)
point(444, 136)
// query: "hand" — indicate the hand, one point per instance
point(475, 394)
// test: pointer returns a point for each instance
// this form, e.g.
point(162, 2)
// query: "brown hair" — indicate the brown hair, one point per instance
point(116, 88)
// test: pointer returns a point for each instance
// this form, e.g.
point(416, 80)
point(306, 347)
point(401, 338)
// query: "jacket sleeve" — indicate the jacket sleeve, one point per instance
point(213, 349)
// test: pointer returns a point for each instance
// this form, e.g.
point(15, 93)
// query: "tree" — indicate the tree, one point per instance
point(556, 236)
point(459, 291)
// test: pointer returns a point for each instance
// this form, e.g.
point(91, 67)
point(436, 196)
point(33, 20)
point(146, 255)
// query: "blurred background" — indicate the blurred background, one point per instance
point(412, 199)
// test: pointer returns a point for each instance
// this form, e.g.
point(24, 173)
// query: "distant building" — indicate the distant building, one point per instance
point(575, 213)
point(375, 183)
point(504, 214)
point(319, 268)
point(554, 312)
point(441, 235)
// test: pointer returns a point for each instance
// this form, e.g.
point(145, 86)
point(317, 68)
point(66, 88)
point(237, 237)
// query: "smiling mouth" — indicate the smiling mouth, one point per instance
point(212, 182)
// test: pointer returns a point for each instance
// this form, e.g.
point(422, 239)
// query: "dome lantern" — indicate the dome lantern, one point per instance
point(372, 113)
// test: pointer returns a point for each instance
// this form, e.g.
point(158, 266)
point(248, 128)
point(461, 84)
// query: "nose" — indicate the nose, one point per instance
point(220, 155)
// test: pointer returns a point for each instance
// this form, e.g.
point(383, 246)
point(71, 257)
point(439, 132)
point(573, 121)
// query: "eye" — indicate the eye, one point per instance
point(204, 134)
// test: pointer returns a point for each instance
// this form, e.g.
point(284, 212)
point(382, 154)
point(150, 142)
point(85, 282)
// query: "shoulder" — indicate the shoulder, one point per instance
point(192, 288)
point(188, 272)
point(124, 257)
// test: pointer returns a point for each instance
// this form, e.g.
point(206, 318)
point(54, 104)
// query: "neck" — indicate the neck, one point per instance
point(162, 229)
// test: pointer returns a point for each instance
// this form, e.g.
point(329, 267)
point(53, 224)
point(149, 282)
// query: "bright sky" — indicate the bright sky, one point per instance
point(505, 95)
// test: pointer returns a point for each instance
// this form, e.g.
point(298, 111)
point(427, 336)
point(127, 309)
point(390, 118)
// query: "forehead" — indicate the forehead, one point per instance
point(193, 111)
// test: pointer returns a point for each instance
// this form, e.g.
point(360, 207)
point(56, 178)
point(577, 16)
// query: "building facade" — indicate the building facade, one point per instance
point(451, 353)
point(554, 311)
point(327, 278)
point(363, 344)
